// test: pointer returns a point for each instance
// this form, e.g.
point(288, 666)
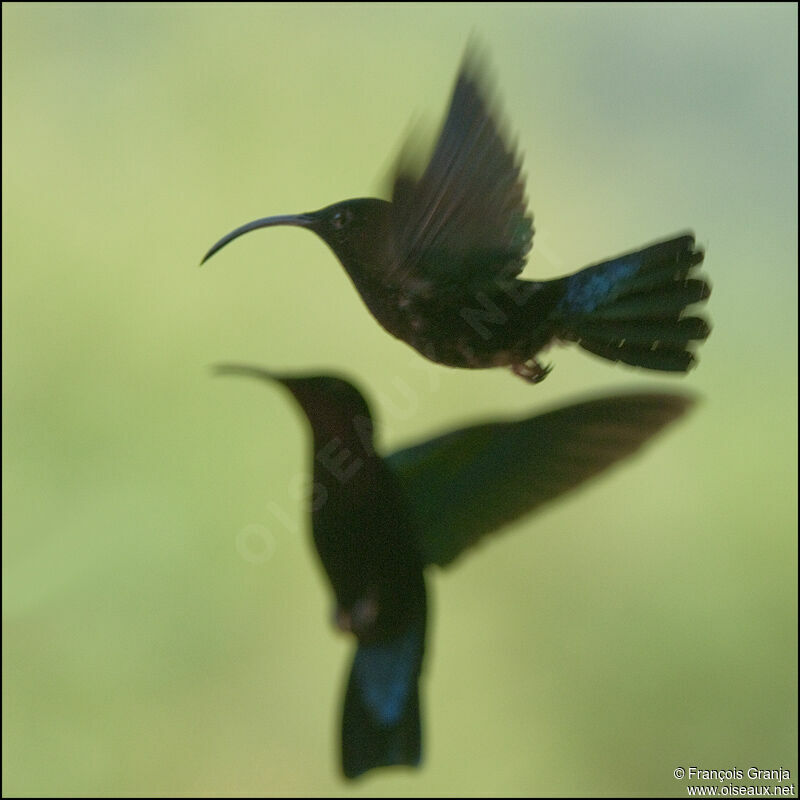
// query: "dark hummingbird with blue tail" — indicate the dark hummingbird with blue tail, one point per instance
point(379, 521)
point(438, 265)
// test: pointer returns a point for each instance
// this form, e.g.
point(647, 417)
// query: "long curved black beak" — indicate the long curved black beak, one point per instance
point(301, 220)
point(304, 388)
point(292, 382)
point(250, 372)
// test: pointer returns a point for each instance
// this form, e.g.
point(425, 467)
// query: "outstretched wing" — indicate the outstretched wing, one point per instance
point(465, 218)
point(470, 482)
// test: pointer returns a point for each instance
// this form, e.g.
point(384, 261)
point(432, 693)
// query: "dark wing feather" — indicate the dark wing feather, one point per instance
point(465, 219)
point(468, 483)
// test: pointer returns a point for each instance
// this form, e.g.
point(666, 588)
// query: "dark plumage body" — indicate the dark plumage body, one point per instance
point(378, 521)
point(438, 266)
point(361, 526)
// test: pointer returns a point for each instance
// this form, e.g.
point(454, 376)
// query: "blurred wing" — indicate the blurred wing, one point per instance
point(470, 482)
point(465, 219)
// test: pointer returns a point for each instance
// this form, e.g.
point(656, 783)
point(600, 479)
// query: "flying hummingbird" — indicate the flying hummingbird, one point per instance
point(438, 265)
point(378, 521)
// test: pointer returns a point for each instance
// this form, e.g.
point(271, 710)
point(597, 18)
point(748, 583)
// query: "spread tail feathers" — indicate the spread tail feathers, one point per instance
point(631, 308)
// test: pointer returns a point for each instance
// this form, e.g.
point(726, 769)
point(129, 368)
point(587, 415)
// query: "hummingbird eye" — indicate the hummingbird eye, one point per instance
point(341, 218)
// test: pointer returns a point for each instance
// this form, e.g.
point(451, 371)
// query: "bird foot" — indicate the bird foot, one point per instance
point(532, 371)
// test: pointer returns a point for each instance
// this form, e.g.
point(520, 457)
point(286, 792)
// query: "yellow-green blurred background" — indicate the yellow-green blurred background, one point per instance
point(166, 630)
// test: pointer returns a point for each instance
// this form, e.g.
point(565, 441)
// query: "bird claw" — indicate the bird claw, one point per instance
point(532, 371)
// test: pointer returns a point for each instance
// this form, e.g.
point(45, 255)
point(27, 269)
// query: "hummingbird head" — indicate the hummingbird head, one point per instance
point(356, 230)
point(333, 406)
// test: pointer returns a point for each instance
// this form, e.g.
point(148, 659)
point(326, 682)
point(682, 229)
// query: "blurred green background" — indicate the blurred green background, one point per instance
point(165, 628)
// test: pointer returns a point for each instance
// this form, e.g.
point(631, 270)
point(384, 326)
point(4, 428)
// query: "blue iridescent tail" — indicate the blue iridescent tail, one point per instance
point(381, 720)
point(631, 308)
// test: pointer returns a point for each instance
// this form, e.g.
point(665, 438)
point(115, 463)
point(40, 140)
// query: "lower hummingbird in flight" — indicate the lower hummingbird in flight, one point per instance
point(378, 521)
point(438, 264)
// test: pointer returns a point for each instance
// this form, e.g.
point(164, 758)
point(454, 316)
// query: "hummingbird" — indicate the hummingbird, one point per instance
point(378, 521)
point(438, 264)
